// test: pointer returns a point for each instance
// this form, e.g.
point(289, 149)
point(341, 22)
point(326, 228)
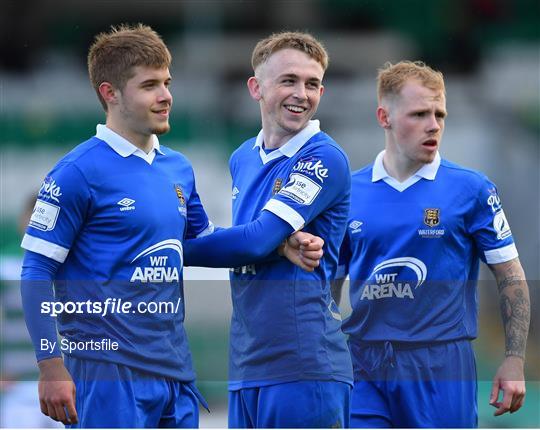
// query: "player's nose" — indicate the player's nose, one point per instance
point(433, 125)
point(300, 91)
point(165, 96)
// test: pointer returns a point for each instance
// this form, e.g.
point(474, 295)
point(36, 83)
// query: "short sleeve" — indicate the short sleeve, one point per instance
point(490, 228)
point(60, 211)
point(317, 180)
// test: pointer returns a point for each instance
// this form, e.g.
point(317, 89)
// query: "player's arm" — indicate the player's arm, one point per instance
point(63, 203)
point(303, 250)
point(56, 389)
point(515, 313)
point(300, 248)
point(240, 245)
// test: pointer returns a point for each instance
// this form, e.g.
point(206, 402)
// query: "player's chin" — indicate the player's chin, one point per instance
point(427, 156)
point(161, 129)
point(295, 126)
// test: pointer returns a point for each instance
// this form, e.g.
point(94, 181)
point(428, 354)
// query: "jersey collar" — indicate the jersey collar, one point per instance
point(292, 146)
point(124, 147)
point(427, 171)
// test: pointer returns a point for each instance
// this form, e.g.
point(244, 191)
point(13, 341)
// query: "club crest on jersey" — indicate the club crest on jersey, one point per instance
point(312, 167)
point(180, 195)
point(181, 199)
point(49, 190)
point(277, 186)
point(432, 217)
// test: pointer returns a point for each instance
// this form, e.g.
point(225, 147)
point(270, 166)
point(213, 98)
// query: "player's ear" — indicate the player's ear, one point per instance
point(107, 91)
point(383, 117)
point(254, 88)
point(321, 90)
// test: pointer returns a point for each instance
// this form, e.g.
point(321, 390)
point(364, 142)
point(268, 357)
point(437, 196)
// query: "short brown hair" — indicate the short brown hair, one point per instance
point(392, 77)
point(304, 42)
point(114, 54)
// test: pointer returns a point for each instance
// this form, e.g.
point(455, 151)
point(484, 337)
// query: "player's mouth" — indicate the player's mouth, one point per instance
point(162, 112)
point(295, 109)
point(430, 143)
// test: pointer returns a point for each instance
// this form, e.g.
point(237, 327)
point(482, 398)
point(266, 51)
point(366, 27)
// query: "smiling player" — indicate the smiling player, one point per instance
point(289, 364)
point(108, 229)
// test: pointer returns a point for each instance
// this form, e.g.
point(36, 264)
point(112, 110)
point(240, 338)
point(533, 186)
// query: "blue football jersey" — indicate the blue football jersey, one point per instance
point(412, 251)
point(116, 220)
point(285, 326)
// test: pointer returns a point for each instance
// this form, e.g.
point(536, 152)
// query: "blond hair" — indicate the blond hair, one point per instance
point(392, 78)
point(114, 54)
point(303, 42)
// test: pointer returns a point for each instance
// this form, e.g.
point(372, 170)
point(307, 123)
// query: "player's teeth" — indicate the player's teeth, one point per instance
point(295, 108)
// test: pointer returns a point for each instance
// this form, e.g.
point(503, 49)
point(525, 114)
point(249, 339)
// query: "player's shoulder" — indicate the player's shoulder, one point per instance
point(322, 145)
point(459, 175)
point(323, 141)
point(246, 146)
point(86, 150)
point(244, 150)
point(361, 178)
point(84, 155)
point(174, 154)
point(363, 173)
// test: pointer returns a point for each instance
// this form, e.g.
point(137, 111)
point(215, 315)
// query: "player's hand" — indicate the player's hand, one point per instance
point(56, 391)
point(509, 379)
point(303, 249)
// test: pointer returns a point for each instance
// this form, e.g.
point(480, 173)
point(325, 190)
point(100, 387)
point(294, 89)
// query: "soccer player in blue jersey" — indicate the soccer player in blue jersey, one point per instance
point(417, 228)
point(108, 228)
point(289, 365)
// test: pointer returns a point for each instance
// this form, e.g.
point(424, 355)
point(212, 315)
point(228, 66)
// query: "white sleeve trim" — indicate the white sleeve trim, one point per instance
point(208, 230)
point(286, 213)
point(48, 249)
point(501, 255)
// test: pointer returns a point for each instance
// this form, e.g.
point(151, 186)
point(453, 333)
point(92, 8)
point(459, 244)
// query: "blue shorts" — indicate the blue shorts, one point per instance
point(112, 395)
point(403, 386)
point(302, 404)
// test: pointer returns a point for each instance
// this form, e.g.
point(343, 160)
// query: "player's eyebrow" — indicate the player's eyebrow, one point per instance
point(441, 112)
point(153, 81)
point(295, 76)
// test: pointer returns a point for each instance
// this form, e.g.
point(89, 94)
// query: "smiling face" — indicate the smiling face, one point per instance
point(141, 108)
point(288, 87)
point(414, 123)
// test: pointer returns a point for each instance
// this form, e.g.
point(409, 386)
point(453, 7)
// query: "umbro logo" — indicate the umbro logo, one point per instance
point(126, 204)
point(235, 191)
point(355, 226)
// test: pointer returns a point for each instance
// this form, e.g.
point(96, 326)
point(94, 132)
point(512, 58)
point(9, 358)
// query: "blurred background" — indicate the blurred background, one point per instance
point(489, 51)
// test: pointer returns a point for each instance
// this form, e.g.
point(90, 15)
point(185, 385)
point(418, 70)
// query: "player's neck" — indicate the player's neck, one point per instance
point(275, 141)
point(400, 167)
point(276, 136)
point(143, 142)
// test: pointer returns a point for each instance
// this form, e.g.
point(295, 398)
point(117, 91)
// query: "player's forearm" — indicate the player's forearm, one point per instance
point(239, 245)
point(514, 304)
point(36, 289)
